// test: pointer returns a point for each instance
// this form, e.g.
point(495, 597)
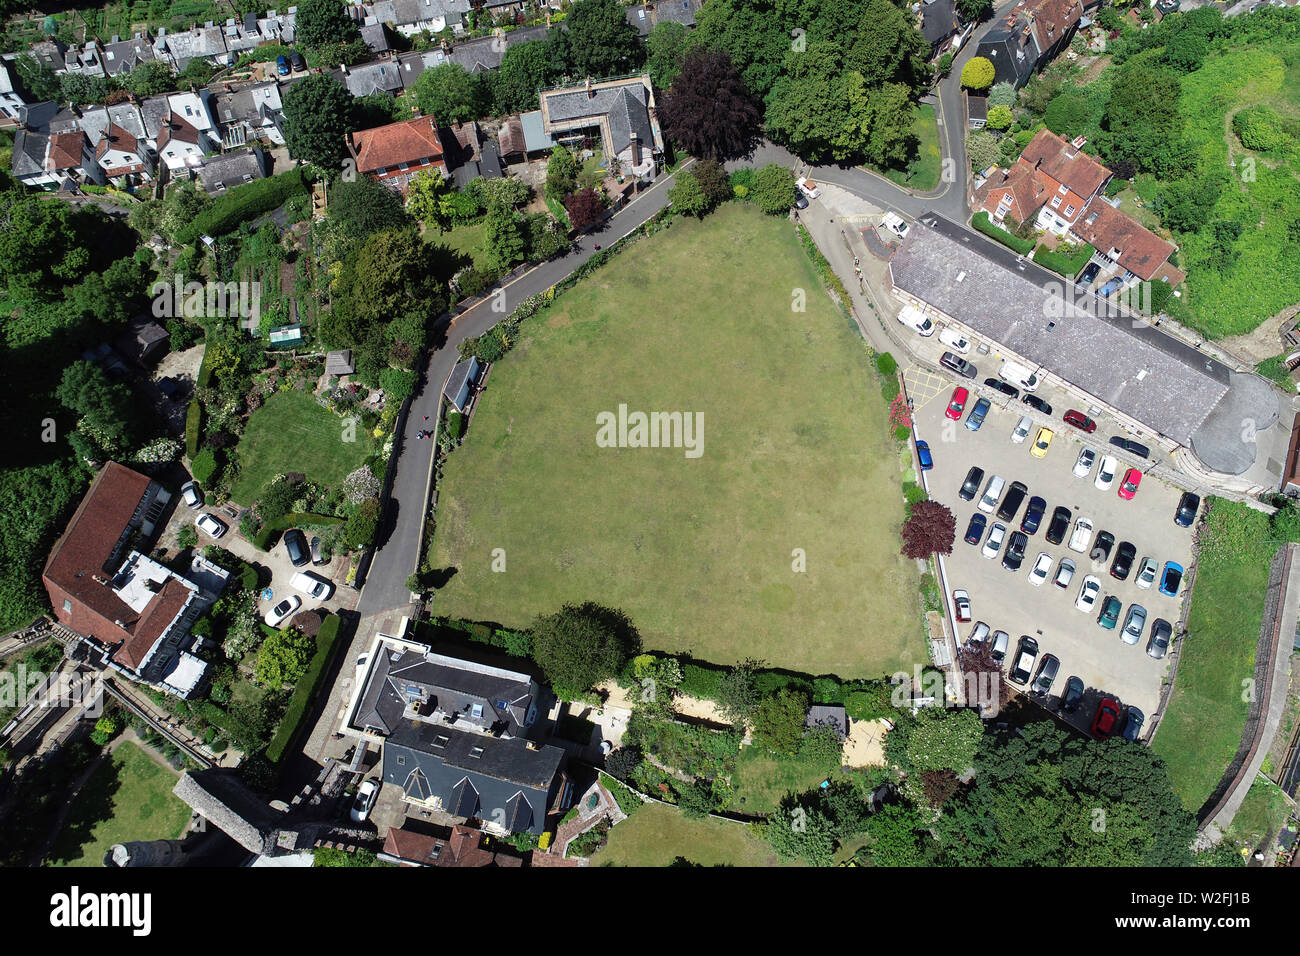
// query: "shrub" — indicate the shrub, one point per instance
point(978, 73)
point(244, 203)
point(187, 536)
point(306, 689)
point(204, 465)
point(999, 117)
point(982, 223)
point(193, 421)
point(1259, 128)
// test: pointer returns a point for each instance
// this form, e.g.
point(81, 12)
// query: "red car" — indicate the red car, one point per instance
point(1129, 486)
point(1080, 420)
point(959, 396)
point(1103, 725)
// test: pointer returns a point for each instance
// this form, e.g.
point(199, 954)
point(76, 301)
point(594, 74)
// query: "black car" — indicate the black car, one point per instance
point(951, 360)
point(971, 486)
point(317, 556)
point(1186, 512)
point(1015, 553)
point(1133, 726)
point(1086, 276)
point(1158, 644)
point(296, 61)
point(1101, 547)
point(1073, 695)
point(1131, 446)
point(800, 200)
point(1034, 402)
point(1000, 386)
point(1123, 563)
point(1033, 515)
point(1060, 524)
point(1022, 665)
point(1011, 503)
point(295, 543)
point(975, 530)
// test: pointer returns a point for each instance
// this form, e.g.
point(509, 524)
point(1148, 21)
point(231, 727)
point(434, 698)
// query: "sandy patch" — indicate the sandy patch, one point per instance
point(865, 746)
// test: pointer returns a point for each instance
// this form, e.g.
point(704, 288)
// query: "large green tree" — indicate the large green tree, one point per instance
point(364, 206)
point(526, 68)
point(505, 238)
point(317, 118)
point(451, 94)
point(602, 42)
point(323, 22)
point(888, 48)
point(666, 48)
point(581, 645)
point(1142, 123)
point(104, 409)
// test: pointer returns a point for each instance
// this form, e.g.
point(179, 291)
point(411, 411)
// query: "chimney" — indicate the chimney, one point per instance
point(590, 92)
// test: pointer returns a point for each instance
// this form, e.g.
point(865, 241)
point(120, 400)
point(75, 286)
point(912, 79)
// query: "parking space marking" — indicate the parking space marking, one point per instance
point(922, 385)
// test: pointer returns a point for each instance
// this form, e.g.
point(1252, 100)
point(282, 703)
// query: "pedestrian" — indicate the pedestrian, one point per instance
point(598, 247)
point(426, 417)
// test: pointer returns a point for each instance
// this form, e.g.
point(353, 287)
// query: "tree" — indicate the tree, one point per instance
point(738, 695)
point(561, 173)
point(929, 529)
point(756, 40)
point(149, 79)
point(283, 658)
point(977, 74)
point(1003, 94)
point(622, 763)
point(713, 180)
point(586, 207)
point(707, 109)
point(602, 42)
point(1068, 114)
point(666, 48)
point(1142, 122)
point(525, 69)
point(999, 117)
point(504, 240)
point(774, 189)
point(40, 82)
point(985, 686)
point(104, 408)
point(687, 196)
point(778, 723)
point(807, 108)
point(365, 206)
point(323, 22)
point(581, 645)
point(897, 836)
point(428, 199)
point(204, 465)
point(802, 833)
point(362, 525)
point(317, 119)
point(974, 10)
point(982, 149)
point(937, 738)
point(44, 246)
point(378, 109)
point(392, 274)
point(451, 94)
point(888, 48)
point(888, 117)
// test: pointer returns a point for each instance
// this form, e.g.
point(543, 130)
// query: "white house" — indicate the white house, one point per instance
point(11, 101)
point(123, 157)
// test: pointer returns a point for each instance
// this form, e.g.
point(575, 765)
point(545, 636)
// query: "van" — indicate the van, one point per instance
point(992, 493)
point(949, 336)
point(895, 225)
point(916, 320)
point(1018, 375)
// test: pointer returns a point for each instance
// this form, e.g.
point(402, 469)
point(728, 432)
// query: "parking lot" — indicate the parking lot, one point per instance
point(1007, 600)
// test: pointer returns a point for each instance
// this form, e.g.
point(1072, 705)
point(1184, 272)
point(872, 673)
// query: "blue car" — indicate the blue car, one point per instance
point(282, 65)
point(1133, 726)
point(975, 530)
point(1171, 579)
point(923, 455)
point(976, 417)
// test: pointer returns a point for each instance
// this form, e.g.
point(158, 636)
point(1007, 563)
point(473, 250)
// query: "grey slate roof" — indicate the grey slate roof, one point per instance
point(938, 21)
point(29, 152)
point(224, 171)
point(459, 378)
point(486, 53)
point(411, 65)
point(126, 115)
point(38, 116)
point(371, 78)
point(646, 16)
point(1131, 366)
point(828, 715)
point(375, 36)
point(125, 55)
point(154, 111)
point(627, 107)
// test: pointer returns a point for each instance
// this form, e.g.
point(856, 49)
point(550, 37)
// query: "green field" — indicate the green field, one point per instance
point(763, 778)
point(291, 432)
point(128, 798)
point(698, 551)
point(655, 835)
point(467, 240)
point(1262, 814)
point(922, 174)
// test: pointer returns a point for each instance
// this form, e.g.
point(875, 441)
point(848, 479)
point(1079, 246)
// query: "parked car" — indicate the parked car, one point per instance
point(954, 362)
point(1133, 725)
point(992, 492)
point(800, 200)
point(971, 486)
point(282, 65)
point(1082, 535)
point(975, 530)
point(1011, 503)
point(1026, 655)
point(1172, 578)
point(1064, 573)
point(364, 801)
point(295, 544)
point(1134, 622)
point(296, 61)
point(316, 588)
point(210, 525)
point(1042, 443)
point(1088, 593)
point(952, 338)
point(976, 417)
point(1186, 512)
point(923, 455)
point(1086, 276)
point(1018, 375)
point(961, 604)
point(1015, 553)
point(275, 617)
point(1104, 721)
point(1123, 563)
point(1047, 672)
point(1146, 575)
point(1073, 695)
point(1083, 464)
point(1110, 609)
point(1101, 547)
point(1059, 524)
point(317, 557)
point(1129, 486)
point(998, 650)
point(1021, 431)
point(1080, 421)
point(1033, 515)
point(956, 404)
point(978, 633)
point(1000, 386)
point(1105, 473)
point(808, 187)
point(1161, 633)
point(1131, 446)
point(1034, 402)
point(192, 494)
point(993, 544)
point(1041, 569)
point(895, 224)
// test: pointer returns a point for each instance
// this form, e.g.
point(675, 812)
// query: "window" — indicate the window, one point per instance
point(402, 166)
point(476, 711)
point(1062, 190)
point(441, 741)
point(67, 605)
point(476, 752)
point(1056, 201)
point(401, 760)
point(1069, 210)
point(1007, 198)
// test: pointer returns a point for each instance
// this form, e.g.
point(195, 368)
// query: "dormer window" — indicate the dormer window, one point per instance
point(1069, 210)
point(476, 711)
point(1056, 201)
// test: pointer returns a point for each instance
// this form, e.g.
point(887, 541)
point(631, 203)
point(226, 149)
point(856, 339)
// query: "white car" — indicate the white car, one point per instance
point(1041, 569)
point(992, 492)
point(1084, 465)
point(961, 601)
point(364, 802)
point(1082, 535)
point(993, 544)
point(1064, 573)
point(1088, 593)
point(1021, 431)
point(191, 494)
point(1106, 473)
point(808, 187)
point(1146, 575)
point(211, 525)
point(318, 589)
point(276, 616)
point(950, 337)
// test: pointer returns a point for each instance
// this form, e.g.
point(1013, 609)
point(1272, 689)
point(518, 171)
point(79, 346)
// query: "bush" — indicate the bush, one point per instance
point(1259, 128)
point(244, 203)
point(886, 364)
point(262, 537)
point(999, 117)
point(193, 421)
point(978, 73)
point(187, 536)
point(203, 466)
point(306, 689)
point(982, 223)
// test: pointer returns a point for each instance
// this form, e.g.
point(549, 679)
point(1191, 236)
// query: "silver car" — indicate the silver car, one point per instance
point(1146, 575)
point(992, 492)
point(1001, 641)
point(1021, 431)
point(993, 543)
point(1084, 463)
point(980, 632)
point(1064, 573)
point(1134, 622)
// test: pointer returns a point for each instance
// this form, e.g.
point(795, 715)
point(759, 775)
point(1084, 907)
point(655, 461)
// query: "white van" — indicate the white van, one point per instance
point(916, 320)
point(1018, 375)
point(895, 225)
point(950, 337)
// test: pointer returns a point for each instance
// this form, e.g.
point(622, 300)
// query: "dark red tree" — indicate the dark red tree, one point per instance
point(984, 685)
point(708, 111)
point(585, 207)
point(930, 529)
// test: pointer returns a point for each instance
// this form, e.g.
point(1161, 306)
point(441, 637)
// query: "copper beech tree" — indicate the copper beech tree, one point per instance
point(929, 529)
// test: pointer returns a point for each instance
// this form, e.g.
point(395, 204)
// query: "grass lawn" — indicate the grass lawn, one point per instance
point(697, 551)
point(468, 240)
point(762, 778)
point(655, 835)
point(1262, 813)
point(291, 432)
point(128, 798)
point(923, 172)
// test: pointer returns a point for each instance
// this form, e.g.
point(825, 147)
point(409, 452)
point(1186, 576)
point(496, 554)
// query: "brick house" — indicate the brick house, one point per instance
point(394, 153)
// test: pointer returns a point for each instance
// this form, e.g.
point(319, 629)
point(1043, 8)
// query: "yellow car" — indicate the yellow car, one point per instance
point(1042, 443)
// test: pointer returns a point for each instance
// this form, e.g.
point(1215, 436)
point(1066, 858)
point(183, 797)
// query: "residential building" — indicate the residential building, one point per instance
point(218, 173)
point(410, 17)
point(207, 42)
point(375, 37)
point(50, 54)
point(383, 76)
point(28, 164)
point(939, 25)
point(87, 60)
point(123, 56)
point(1122, 241)
point(620, 112)
point(94, 121)
point(278, 27)
point(70, 158)
point(123, 157)
point(486, 53)
point(411, 65)
point(237, 39)
point(394, 153)
point(180, 144)
point(1028, 38)
point(459, 846)
point(646, 16)
point(977, 111)
point(11, 98)
point(247, 114)
point(132, 613)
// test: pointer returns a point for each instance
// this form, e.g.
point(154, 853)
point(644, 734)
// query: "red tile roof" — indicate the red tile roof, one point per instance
point(175, 128)
point(116, 138)
point(1065, 163)
point(1052, 19)
point(1027, 192)
point(411, 141)
point(1141, 251)
point(462, 848)
point(65, 151)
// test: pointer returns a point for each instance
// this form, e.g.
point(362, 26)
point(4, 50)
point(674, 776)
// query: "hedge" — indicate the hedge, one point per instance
point(193, 420)
point(981, 223)
point(262, 538)
point(514, 643)
point(204, 378)
point(244, 203)
point(1063, 265)
point(306, 689)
